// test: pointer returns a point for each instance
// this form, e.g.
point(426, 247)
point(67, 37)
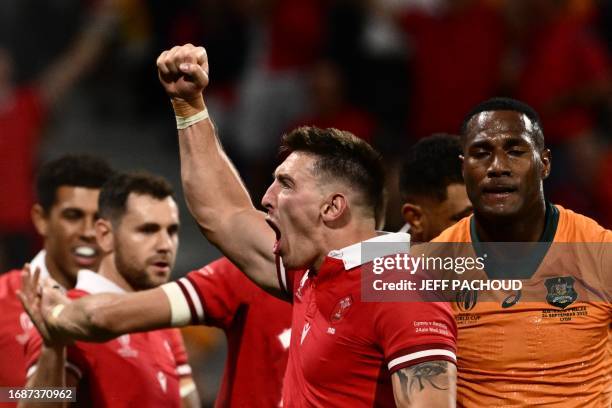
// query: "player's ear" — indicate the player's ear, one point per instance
point(462, 158)
point(104, 234)
point(413, 215)
point(334, 207)
point(39, 219)
point(545, 157)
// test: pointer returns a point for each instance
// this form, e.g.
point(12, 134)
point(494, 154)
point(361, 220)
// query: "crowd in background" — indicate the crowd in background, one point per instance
point(390, 71)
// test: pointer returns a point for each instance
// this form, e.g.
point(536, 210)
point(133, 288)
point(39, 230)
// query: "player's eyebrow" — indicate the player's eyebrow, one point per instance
point(283, 177)
point(72, 212)
point(480, 144)
point(149, 227)
point(515, 141)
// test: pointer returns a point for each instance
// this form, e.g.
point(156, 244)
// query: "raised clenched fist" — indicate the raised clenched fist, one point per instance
point(183, 71)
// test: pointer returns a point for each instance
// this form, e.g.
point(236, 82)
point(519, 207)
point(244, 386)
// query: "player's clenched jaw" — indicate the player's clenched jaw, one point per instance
point(293, 202)
point(145, 241)
point(503, 167)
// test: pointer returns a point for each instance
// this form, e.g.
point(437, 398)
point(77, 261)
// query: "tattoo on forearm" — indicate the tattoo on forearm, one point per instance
point(417, 378)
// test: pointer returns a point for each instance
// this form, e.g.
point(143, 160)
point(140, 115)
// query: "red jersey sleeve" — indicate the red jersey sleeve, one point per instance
point(215, 292)
point(411, 332)
point(177, 347)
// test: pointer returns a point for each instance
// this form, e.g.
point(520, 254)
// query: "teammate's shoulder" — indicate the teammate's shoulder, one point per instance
point(458, 232)
point(221, 265)
point(10, 282)
point(574, 227)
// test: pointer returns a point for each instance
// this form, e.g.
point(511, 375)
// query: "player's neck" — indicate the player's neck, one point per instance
point(342, 237)
point(57, 275)
point(108, 269)
point(527, 227)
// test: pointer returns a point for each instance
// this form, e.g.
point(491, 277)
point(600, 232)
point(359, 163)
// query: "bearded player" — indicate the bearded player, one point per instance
point(325, 200)
point(138, 235)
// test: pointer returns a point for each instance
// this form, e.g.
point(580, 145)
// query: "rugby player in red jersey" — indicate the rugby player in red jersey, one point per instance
point(325, 200)
point(138, 234)
point(67, 206)
point(256, 326)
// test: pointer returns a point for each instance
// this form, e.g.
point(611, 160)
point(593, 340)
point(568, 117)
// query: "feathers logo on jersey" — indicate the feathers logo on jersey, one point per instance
point(561, 291)
point(341, 309)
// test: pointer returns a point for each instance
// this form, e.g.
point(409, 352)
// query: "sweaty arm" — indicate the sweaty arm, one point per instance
point(214, 192)
point(430, 384)
point(105, 316)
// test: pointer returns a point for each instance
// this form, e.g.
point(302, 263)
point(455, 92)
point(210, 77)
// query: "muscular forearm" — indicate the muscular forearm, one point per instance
point(105, 316)
point(50, 372)
point(213, 189)
point(84, 319)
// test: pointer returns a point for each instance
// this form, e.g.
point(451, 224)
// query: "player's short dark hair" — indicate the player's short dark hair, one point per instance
point(430, 166)
point(112, 203)
point(73, 170)
point(507, 104)
point(342, 156)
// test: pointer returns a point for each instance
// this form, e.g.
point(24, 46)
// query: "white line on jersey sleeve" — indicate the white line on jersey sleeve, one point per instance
point(197, 303)
point(420, 354)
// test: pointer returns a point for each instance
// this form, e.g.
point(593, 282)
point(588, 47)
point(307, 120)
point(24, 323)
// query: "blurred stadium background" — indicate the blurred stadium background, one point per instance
point(391, 71)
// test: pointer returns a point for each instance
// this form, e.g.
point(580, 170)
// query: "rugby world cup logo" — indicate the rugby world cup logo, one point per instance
point(126, 350)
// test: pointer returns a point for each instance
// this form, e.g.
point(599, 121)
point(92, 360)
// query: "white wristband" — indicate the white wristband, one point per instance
point(185, 122)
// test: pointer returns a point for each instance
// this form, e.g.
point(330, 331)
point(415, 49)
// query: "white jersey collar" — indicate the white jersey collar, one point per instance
point(352, 257)
point(39, 262)
point(93, 283)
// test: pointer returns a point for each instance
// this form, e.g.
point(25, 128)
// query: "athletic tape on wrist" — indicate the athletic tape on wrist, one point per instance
point(57, 310)
point(185, 122)
point(180, 315)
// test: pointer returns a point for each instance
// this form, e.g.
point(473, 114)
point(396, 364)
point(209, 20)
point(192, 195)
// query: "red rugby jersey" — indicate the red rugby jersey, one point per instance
point(15, 326)
point(138, 369)
point(257, 328)
point(344, 351)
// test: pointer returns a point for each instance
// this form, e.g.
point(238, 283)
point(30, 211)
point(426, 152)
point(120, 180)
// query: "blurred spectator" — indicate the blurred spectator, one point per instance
point(566, 96)
point(562, 70)
point(23, 112)
point(457, 60)
point(329, 105)
point(273, 93)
